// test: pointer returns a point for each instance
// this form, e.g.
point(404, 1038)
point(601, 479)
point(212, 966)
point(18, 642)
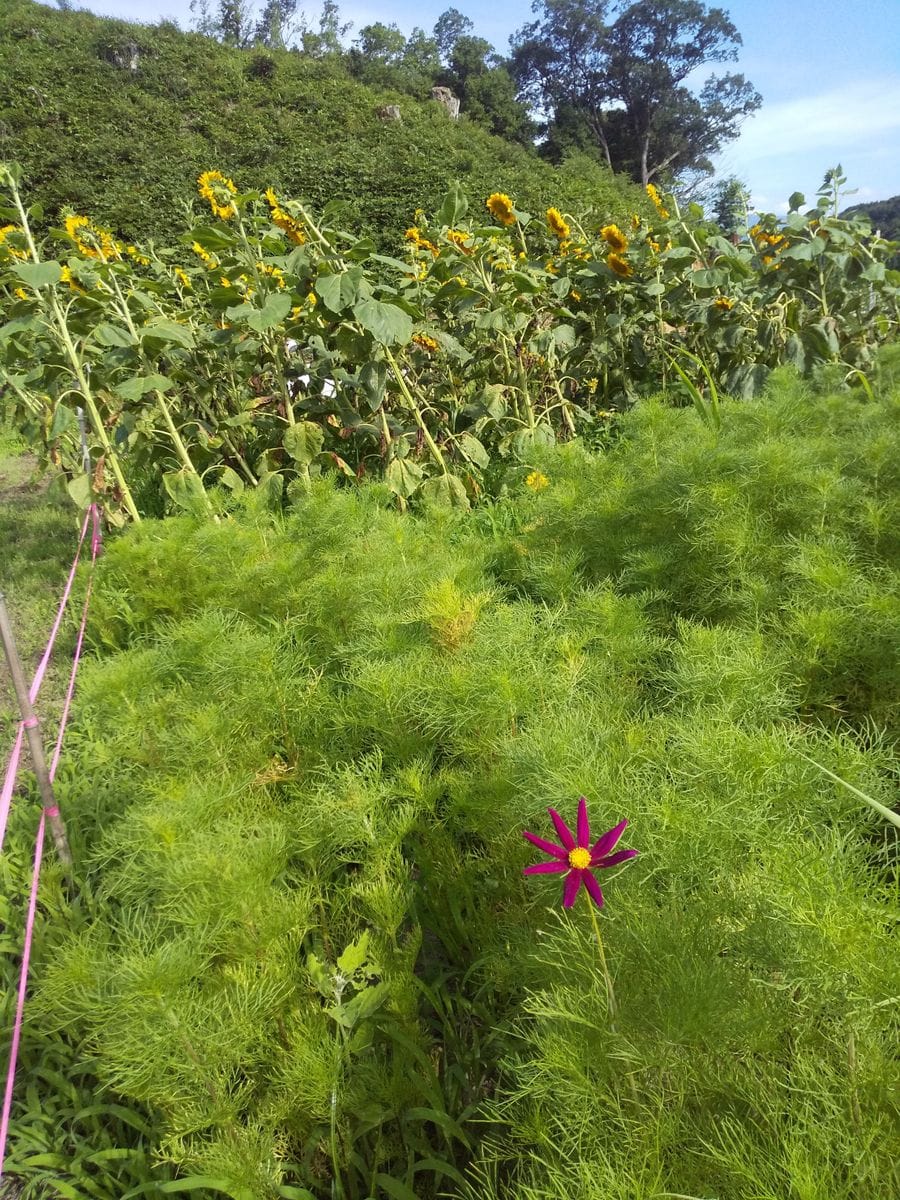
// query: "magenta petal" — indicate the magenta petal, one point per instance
point(551, 868)
point(571, 886)
point(613, 860)
point(565, 834)
point(547, 847)
point(604, 844)
point(593, 888)
point(584, 829)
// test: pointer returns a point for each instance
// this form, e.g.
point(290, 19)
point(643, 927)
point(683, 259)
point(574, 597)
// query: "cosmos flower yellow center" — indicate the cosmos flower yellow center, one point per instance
point(579, 858)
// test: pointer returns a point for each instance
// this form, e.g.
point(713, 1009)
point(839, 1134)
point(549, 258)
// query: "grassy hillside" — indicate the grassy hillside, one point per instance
point(127, 145)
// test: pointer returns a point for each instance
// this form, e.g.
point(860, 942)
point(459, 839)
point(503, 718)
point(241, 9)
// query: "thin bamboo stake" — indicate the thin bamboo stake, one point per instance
point(35, 741)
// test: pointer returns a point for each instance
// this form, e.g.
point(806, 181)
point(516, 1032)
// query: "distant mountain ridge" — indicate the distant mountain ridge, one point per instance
point(884, 215)
point(117, 120)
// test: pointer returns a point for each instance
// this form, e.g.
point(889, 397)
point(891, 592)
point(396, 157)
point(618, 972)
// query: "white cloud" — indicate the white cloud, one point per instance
point(840, 119)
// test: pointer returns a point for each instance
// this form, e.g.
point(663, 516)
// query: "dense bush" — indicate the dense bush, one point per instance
point(314, 742)
point(126, 146)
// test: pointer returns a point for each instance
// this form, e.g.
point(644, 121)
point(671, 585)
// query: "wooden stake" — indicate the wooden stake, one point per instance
point(35, 741)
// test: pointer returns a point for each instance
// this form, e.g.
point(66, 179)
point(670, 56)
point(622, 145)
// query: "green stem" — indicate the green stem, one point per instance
point(609, 985)
point(408, 396)
point(78, 369)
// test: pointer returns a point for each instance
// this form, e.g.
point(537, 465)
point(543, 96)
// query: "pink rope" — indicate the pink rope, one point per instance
point(39, 842)
point(9, 781)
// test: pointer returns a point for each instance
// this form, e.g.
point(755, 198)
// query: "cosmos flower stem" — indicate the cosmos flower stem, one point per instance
point(610, 994)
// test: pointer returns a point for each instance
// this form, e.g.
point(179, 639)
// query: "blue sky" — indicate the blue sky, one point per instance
point(829, 74)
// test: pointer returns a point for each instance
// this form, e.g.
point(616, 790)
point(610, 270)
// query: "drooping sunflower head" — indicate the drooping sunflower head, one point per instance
point(723, 302)
point(214, 187)
point(90, 241)
point(424, 342)
point(500, 206)
point(460, 239)
point(614, 238)
point(619, 264)
point(290, 226)
point(559, 226)
point(657, 202)
point(12, 242)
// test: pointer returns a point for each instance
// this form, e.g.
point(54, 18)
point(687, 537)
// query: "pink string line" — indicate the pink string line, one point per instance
point(51, 811)
point(9, 781)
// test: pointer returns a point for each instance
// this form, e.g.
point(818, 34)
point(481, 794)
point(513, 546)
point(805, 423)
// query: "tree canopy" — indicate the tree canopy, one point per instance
point(620, 78)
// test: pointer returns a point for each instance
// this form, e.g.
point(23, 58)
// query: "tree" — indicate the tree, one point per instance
point(273, 29)
point(730, 203)
point(622, 84)
point(448, 29)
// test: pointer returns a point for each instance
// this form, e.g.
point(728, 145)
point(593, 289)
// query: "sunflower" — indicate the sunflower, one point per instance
point(214, 187)
point(460, 239)
point(724, 303)
point(559, 227)
point(90, 241)
point(5, 245)
point(536, 481)
point(414, 235)
point(289, 226)
point(620, 265)
point(500, 206)
point(425, 342)
point(657, 201)
point(614, 238)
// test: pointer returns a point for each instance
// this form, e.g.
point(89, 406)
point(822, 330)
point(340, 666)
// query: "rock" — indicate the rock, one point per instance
point(125, 55)
point(389, 112)
point(444, 96)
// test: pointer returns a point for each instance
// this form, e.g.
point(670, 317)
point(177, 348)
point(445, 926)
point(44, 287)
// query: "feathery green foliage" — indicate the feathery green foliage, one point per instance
point(314, 742)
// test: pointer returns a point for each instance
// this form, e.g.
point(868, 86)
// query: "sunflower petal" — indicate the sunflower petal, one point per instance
point(584, 828)
point(565, 834)
point(547, 847)
point(550, 868)
point(571, 886)
point(604, 844)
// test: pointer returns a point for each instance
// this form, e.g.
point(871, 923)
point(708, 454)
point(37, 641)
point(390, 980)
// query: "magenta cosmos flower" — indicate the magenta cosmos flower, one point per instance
point(577, 856)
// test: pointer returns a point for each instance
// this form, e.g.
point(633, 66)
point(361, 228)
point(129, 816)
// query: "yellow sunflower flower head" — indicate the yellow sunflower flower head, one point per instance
point(559, 226)
point(614, 238)
point(8, 246)
point(537, 481)
point(289, 226)
point(657, 202)
point(500, 206)
point(724, 303)
point(90, 241)
point(460, 239)
point(619, 264)
point(214, 187)
point(425, 342)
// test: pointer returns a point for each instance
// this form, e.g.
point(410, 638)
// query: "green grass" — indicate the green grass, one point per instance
point(38, 536)
point(299, 732)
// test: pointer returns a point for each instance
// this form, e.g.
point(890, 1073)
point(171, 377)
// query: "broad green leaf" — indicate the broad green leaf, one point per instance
point(273, 312)
point(394, 1187)
point(289, 1192)
point(797, 200)
point(473, 450)
point(168, 331)
point(79, 488)
point(363, 1005)
point(133, 389)
point(229, 478)
point(355, 954)
point(339, 290)
point(19, 325)
point(63, 420)
point(387, 323)
point(454, 206)
point(403, 477)
point(38, 275)
point(271, 488)
point(113, 335)
point(303, 441)
point(194, 1183)
point(185, 490)
point(446, 491)
point(373, 381)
